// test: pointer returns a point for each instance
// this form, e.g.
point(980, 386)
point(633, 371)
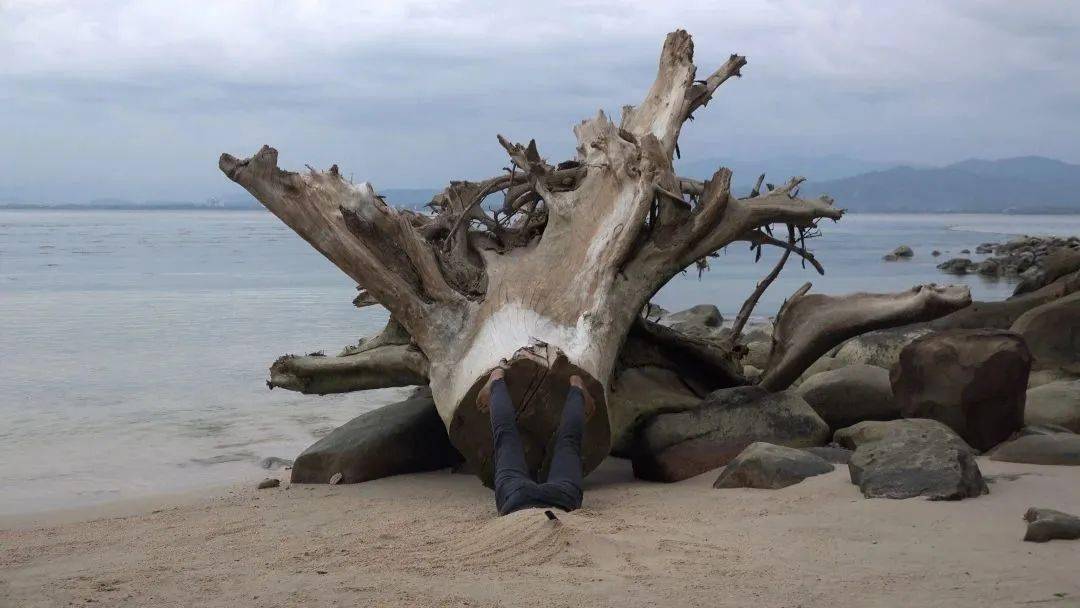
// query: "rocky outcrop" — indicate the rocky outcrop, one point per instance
point(1049, 267)
point(1002, 314)
point(1056, 404)
point(974, 381)
point(675, 446)
point(767, 466)
point(640, 393)
point(845, 396)
point(1036, 261)
point(1052, 331)
point(1054, 448)
point(403, 437)
point(1047, 524)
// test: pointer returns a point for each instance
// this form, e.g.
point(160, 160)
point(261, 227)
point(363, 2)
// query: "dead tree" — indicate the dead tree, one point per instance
point(547, 266)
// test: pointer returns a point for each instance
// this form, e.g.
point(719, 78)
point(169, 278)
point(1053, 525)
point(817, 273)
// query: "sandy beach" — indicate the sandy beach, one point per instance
point(433, 540)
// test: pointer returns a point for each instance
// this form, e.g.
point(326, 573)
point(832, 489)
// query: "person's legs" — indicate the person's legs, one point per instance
point(563, 486)
point(513, 485)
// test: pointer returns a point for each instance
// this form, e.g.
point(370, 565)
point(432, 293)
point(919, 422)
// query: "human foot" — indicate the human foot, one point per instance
point(483, 398)
point(590, 405)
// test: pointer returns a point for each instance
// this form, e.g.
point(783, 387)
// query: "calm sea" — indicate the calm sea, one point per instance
point(134, 344)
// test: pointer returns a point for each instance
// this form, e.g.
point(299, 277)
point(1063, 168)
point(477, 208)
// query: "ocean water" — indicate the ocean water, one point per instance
point(134, 344)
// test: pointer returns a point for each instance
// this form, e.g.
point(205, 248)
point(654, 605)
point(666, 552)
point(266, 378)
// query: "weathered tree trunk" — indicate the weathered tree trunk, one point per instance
point(551, 278)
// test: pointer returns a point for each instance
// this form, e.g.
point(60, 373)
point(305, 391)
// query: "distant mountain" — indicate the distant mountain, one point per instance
point(1029, 184)
point(779, 170)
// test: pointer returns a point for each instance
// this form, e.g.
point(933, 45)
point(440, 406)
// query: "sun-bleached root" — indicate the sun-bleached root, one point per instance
point(807, 326)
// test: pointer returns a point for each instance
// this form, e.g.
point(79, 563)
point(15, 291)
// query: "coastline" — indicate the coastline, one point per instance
point(433, 539)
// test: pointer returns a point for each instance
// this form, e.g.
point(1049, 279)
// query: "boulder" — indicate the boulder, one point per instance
point(907, 467)
point(1056, 403)
point(823, 364)
point(759, 332)
point(908, 430)
point(1040, 377)
point(770, 467)
point(758, 353)
point(1039, 429)
point(845, 396)
point(1048, 524)
point(957, 266)
point(1052, 332)
point(1055, 448)
point(901, 252)
point(831, 453)
point(697, 320)
point(639, 393)
point(881, 348)
point(973, 380)
point(678, 445)
point(403, 437)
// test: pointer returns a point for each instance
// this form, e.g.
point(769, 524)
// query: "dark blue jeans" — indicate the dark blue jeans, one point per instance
point(514, 488)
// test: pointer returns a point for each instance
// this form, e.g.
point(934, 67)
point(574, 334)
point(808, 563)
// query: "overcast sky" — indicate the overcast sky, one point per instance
point(136, 99)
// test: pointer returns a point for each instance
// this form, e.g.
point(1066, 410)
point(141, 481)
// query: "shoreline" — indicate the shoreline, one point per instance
point(433, 539)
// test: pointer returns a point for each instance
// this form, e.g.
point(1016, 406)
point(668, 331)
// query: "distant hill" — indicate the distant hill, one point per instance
point(779, 170)
point(1029, 184)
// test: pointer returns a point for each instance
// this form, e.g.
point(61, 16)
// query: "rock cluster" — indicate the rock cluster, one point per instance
point(1035, 261)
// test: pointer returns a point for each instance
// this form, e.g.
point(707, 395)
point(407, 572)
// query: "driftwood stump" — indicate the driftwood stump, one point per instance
point(548, 266)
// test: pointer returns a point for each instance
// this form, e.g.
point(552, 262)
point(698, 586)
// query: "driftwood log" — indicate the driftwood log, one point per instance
point(548, 266)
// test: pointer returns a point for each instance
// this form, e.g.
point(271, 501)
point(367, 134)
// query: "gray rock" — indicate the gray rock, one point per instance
point(823, 364)
point(1047, 524)
point(1040, 429)
point(973, 380)
point(640, 393)
point(989, 268)
point(759, 332)
point(902, 251)
point(957, 265)
point(273, 462)
point(758, 354)
point(696, 320)
point(845, 396)
point(881, 348)
point(830, 453)
point(675, 446)
point(1052, 332)
point(767, 466)
point(906, 468)
point(403, 437)
point(935, 253)
point(1056, 403)
point(1046, 376)
point(907, 430)
point(269, 483)
point(1056, 448)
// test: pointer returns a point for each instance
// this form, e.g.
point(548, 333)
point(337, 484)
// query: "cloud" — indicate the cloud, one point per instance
point(136, 99)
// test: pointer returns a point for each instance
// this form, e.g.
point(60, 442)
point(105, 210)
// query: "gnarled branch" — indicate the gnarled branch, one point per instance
point(807, 326)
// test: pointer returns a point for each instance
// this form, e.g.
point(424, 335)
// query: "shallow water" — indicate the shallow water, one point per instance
point(134, 344)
